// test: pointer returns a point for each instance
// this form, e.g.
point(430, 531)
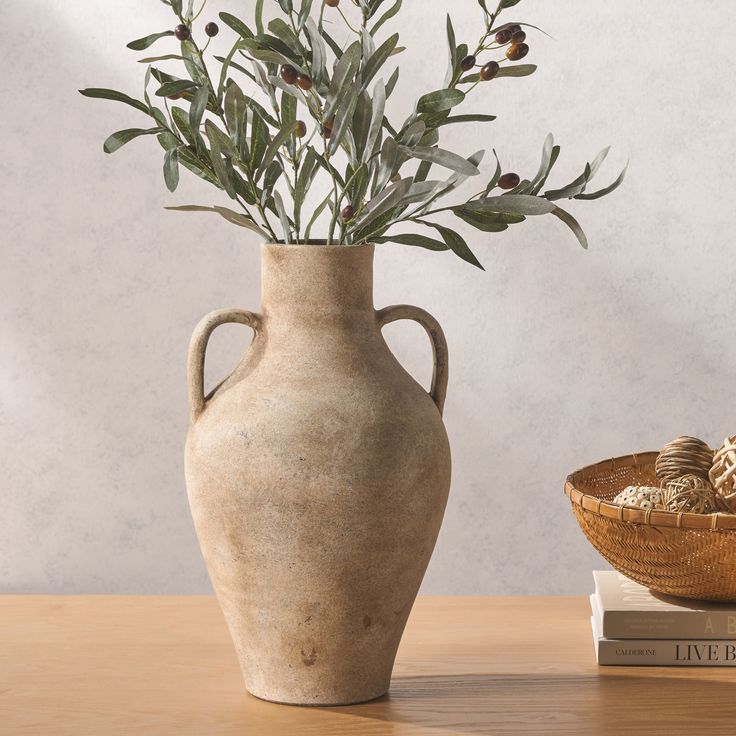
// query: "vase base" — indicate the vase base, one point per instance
point(320, 703)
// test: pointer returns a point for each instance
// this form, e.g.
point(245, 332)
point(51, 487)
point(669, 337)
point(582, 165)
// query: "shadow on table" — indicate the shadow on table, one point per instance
point(611, 701)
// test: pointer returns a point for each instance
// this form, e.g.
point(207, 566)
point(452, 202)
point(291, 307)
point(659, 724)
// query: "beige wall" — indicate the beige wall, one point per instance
point(558, 357)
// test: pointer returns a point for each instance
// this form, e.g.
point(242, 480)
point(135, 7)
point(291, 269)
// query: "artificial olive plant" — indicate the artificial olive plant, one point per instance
point(290, 108)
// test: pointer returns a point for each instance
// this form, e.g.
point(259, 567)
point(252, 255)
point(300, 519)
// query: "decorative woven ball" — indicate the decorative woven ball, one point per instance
point(690, 494)
point(641, 497)
point(684, 456)
point(723, 475)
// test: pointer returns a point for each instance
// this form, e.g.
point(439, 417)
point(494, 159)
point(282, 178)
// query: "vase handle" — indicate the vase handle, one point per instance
point(438, 392)
point(198, 348)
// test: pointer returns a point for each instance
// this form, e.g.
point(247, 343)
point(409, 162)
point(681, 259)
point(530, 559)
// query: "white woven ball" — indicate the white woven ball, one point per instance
point(640, 497)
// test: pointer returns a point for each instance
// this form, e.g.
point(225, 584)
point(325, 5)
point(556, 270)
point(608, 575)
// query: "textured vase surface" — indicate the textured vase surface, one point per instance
point(318, 474)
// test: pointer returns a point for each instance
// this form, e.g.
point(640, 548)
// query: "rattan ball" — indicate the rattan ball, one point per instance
point(684, 456)
point(690, 494)
point(640, 497)
point(723, 475)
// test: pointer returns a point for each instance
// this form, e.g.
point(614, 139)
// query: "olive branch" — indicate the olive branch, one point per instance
point(258, 148)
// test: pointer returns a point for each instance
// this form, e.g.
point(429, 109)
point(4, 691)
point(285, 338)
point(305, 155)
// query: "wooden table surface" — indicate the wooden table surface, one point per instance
point(100, 665)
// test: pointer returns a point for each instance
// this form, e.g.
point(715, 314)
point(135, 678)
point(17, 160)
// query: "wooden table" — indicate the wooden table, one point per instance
point(164, 665)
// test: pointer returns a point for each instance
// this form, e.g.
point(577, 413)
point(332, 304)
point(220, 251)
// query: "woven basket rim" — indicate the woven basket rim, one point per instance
point(649, 517)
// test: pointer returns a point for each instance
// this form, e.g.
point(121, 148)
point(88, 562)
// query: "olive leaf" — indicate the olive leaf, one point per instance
point(111, 94)
point(230, 215)
point(143, 43)
point(168, 89)
point(517, 70)
point(237, 25)
point(422, 241)
point(443, 99)
point(171, 169)
point(441, 157)
point(573, 224)
point(121, 137)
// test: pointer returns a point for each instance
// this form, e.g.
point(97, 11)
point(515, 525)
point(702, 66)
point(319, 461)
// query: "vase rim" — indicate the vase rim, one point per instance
point(317, 245)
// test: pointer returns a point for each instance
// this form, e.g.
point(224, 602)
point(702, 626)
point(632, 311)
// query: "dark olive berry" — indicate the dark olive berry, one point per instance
point(182, 32)
point(508, 181)
point(332, 3)
point(503, 37)
point(517, 51)
point(489, 71)
point(518, 37)
point(176, 96)
point(305, 82)
point(348, 213)
point(300, 129)
point(467, 63)
point(212, 29)
point(289, 74)
point(514, 28)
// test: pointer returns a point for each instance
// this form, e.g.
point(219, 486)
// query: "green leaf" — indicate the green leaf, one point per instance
point(492, 222)
point(111, 94)
point(259, 139)
point(443, 99)
point(386, 201)
point(378, 59)
point(223, 174)
point(174, 88)
point(344, 73)
point(236, 24)
point(196, 111)
point(165, 57)
point(573, 224)
point(235, 218)
point(259, 16)
point(181, 120)
point(512, 204)
point(442, 157)
point(520, 70)
point(577, 186)
point(374, 131)
point(119, 139)
point(279, 139)
point(235, 108)
point(344, 116)
point(143, 43)
point(392, 80)
point(508, 4)
point(315, 215)
point(390, 13)
point(455, 242)
point(606, 190)
point(422, 241)
point(319, 51)
point(191, 162)
point(283, 217)
point(455, 119)
point(451, 41)
point(171, 169)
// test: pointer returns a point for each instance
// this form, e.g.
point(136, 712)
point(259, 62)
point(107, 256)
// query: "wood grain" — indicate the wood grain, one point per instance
point(165, 665)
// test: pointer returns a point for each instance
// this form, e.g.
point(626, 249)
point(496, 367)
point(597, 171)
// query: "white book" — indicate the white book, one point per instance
point(660, 652)
point(628, 610)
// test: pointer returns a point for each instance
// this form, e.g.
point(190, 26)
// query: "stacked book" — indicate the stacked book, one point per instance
point(634, 626)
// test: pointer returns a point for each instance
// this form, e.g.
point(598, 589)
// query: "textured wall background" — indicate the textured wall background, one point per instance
point(559, 357)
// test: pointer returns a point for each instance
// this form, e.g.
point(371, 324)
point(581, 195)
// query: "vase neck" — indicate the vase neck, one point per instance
point(316, 281)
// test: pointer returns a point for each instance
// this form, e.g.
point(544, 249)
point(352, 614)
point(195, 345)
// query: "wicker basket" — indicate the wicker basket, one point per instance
point(681, 554)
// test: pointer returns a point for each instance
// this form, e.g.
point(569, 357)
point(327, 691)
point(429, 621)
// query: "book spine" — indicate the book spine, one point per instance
point(620, 624)
point(665, 652)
